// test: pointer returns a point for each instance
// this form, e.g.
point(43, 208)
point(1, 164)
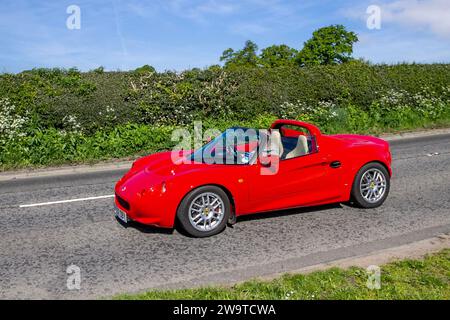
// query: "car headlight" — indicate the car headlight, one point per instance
point(162, 187)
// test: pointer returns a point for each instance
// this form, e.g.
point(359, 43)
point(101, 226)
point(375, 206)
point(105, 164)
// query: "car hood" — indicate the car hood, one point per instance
point(158, 165)
point(145, 172)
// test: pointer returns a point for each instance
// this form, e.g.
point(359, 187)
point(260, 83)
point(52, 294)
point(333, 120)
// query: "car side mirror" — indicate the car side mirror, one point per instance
point(265, 164)
point(269, 164)
point(269, 160)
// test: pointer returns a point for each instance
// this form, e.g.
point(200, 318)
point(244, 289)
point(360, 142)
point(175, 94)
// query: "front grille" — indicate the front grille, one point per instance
point(124, 204)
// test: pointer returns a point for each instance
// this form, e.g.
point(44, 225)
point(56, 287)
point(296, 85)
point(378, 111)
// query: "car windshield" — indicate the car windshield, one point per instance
point(235, 145)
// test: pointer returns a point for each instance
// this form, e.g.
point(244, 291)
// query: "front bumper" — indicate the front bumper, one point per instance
point(151, 208)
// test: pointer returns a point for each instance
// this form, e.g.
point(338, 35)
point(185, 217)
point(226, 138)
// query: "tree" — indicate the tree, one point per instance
point(278, 55)
point(99, 70)
point(328, 45)
point(246, 57)
point(145, 69)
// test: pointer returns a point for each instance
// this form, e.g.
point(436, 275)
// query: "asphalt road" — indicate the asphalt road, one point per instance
point(39, 243)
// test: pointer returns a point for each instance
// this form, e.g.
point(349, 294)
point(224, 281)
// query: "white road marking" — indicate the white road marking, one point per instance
point(433, 154)
point(65, 201)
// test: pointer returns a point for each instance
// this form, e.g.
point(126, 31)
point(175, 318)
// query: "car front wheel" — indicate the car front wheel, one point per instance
point(371, 185)
point(204, 211)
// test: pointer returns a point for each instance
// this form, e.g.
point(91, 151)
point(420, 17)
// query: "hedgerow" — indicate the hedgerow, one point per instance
point(50, 116)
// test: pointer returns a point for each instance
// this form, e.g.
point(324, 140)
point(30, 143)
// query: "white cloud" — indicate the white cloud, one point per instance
point(382, 47)
point(428, 15)
point(411, 30)
point(433, 15)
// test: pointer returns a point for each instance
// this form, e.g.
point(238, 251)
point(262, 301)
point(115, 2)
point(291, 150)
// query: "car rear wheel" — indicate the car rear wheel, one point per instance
point(204, 211)
point(371, 185)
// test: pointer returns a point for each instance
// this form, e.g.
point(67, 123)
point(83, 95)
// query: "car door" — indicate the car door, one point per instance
point(300, 181)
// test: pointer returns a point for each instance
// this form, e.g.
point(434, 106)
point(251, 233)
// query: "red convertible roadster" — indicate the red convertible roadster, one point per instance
point(245, 171)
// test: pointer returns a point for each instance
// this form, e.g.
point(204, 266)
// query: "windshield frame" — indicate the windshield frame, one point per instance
point(198, 156)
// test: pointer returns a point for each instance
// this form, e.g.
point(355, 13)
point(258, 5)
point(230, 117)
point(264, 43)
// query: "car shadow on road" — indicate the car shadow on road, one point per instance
point(287, 212)
point(256, 216)
point(144, 228)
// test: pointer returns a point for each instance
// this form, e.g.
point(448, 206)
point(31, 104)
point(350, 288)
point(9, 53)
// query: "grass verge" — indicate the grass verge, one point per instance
point(428, 278)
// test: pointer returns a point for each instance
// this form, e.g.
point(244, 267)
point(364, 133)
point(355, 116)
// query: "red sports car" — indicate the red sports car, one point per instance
point(245, 171)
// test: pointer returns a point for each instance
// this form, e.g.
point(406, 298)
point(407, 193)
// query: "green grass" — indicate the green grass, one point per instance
point(52, 148)
point(428, 278)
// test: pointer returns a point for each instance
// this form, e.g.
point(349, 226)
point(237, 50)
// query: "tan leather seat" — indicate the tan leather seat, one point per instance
point(276, 146)
point(300, 149)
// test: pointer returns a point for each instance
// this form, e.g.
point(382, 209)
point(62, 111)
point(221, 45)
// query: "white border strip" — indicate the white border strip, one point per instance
point(64, 201)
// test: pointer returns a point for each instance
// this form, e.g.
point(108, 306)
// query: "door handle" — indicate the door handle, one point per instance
point(335, 164)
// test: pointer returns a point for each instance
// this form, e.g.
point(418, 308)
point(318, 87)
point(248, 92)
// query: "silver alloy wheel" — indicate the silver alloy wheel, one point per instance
point(373, 185)
point(206, 211)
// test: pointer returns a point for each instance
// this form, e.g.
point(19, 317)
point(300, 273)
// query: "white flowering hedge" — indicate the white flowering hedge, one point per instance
point(60, 116)
point(12, 125)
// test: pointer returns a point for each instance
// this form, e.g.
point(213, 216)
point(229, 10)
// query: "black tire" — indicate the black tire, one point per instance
point(356, 195)
point(183, 211)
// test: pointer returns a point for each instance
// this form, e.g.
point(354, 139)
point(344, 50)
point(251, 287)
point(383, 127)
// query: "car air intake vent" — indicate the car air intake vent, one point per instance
point(123, 203)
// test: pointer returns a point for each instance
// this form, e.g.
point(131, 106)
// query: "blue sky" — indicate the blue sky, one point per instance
point(181, 34)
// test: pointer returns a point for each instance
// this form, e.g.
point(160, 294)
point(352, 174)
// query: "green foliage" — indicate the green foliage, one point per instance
point(145, 69)
point(407, 279)
point(99, 70)
point(246, 57)
point(278, 56)
point(50, 116)
point(329, 45)
point(55, 147)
